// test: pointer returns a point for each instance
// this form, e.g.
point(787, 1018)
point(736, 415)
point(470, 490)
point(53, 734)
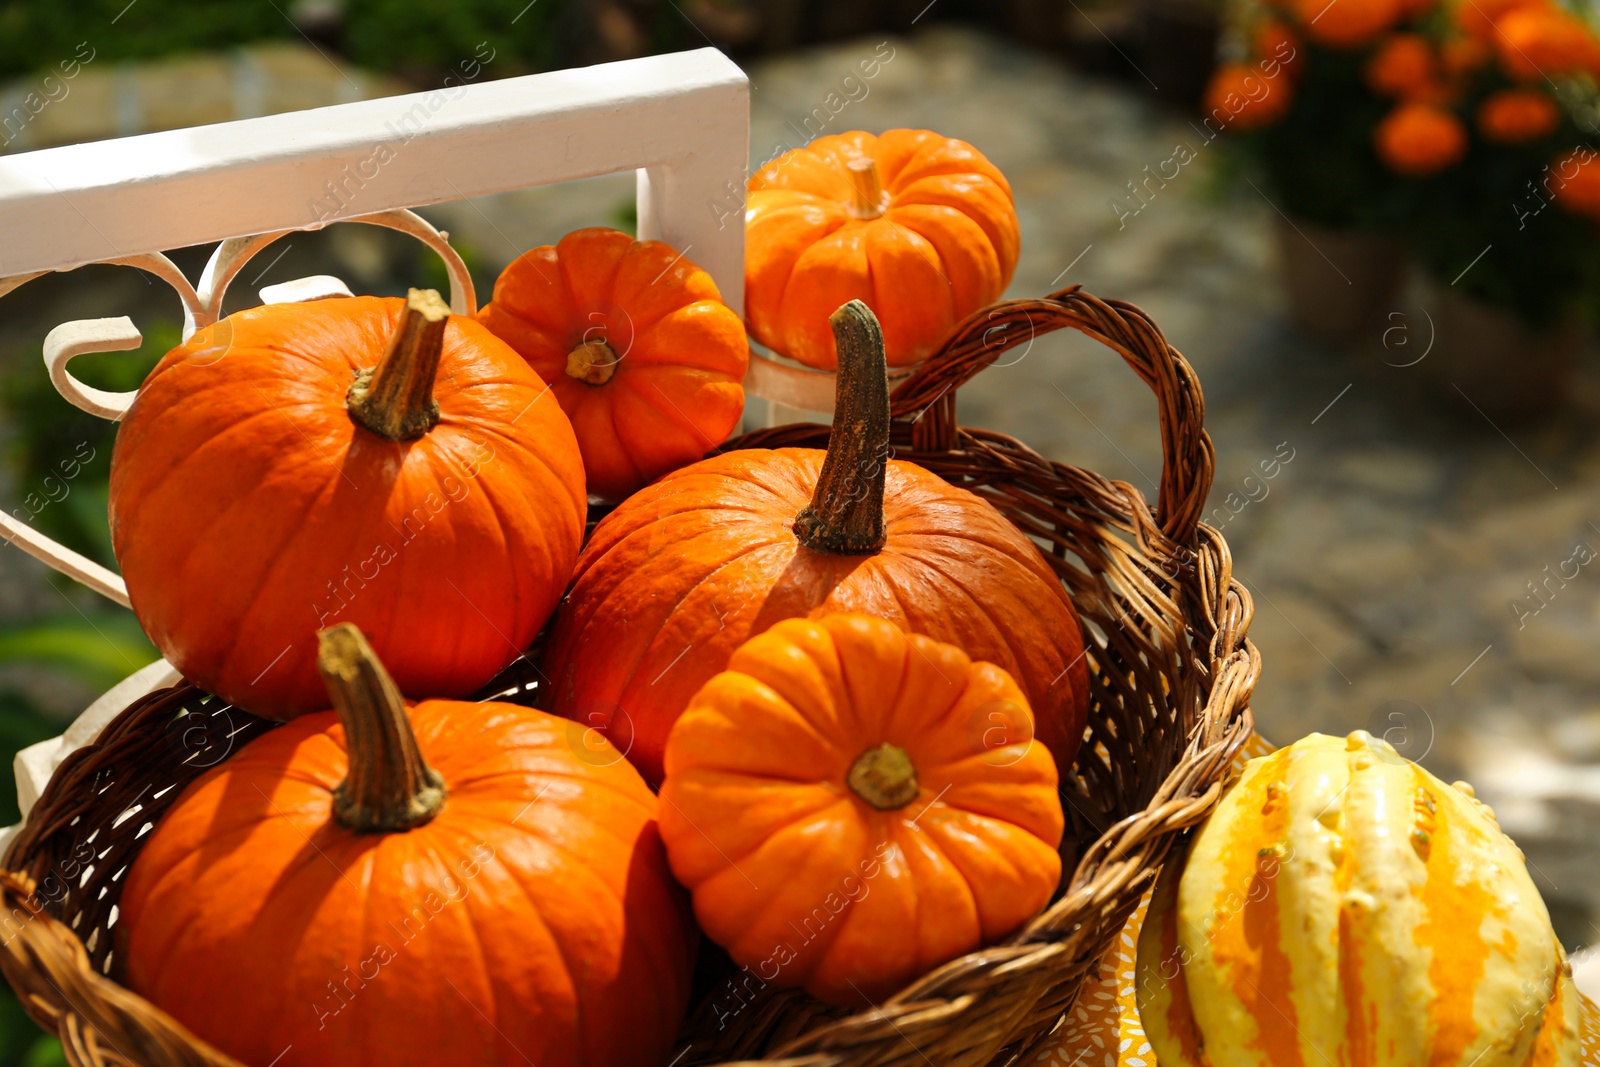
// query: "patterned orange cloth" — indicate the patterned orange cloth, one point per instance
point(1104, 1030)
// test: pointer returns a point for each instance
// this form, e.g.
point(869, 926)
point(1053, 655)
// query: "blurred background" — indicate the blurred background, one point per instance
point(1369, 224)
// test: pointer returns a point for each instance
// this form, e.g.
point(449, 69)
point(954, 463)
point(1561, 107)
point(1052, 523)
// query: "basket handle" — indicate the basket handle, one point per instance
point(1188, 460)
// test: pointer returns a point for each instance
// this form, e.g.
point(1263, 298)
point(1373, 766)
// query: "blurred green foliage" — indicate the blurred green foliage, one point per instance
point(59, 461)
point(60, 457)
point(398, 35)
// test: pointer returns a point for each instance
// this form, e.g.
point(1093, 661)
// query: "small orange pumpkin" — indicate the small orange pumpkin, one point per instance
point(635, 341)
point(852, 806)
point(920, 227)
point(328, 897)
point(376, 461)
point(684, 571)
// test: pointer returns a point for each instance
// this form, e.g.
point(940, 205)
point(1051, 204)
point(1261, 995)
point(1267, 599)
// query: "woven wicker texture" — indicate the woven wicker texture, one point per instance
point(1171, 677)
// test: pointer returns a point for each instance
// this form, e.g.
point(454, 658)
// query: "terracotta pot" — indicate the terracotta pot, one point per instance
point(1340, 282)
point(1487, 357)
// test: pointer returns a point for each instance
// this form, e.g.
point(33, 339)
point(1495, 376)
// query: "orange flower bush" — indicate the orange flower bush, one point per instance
point(1576, 179)
point(1242, 97)
point(1418, 140)
point(1515, 116)
point(1275, 40)
point(1535, 43)
point(1403, 66)
point(1474, 96)
point(1477, 18)
point(1347, 23)
point(1460, 56)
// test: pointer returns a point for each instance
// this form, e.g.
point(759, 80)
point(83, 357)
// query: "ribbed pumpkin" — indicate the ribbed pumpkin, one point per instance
point(375, 461)
point(853, 806)
point(919, 226)
point(1342, 905)
point(684, 571)
point(635, 341)
point(359, 888)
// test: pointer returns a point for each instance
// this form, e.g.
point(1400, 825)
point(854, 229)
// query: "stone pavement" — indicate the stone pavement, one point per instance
point(1390, 553)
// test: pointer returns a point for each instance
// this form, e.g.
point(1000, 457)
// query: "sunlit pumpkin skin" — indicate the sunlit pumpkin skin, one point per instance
point(636, 344)
point(532, 919)
point(1343, 905)
point(686, 570)
point(924, 230)
point(248, 509)
point(852, 806)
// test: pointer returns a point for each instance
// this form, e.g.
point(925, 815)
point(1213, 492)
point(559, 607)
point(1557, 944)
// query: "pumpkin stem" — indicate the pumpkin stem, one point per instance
point(845, 516)
point(390, 787)
point(395, 398)
point(884, 777)
point(593, 362)
point(866, 200)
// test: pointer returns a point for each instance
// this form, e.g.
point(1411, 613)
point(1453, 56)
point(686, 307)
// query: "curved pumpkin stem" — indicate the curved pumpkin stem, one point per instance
point(845, 516)
point(390, 787)
point(395, 398)
point(866, 189)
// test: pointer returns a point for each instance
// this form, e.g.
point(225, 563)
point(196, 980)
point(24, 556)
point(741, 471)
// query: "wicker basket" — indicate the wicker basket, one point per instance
point(1171, 678)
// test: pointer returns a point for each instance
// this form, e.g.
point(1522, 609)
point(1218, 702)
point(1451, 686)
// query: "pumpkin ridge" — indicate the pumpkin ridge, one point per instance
point(470, 928)
point(960, 799)
point(667, 615)
point(193, 455)
point(835, 238)
point(669, 409)
point(570, 857)
point(625, 453)
point(518, 594)
point(712, 760)
point(1030, 562)
point(567, 256)
point(820, 948)
point(1033, 565)
point(803, 462)
point(643, 340)
point(466, 784)
point(947, 856)
point(279, 557)
point(555, 943)
point(994, 230)
point(487, 427)
point(998, 631)
point(534, 462)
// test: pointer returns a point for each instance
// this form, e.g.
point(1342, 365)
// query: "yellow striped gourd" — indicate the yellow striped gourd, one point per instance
point(1343, 907)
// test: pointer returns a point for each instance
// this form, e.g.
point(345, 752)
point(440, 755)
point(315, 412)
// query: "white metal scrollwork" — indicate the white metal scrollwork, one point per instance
point(202, 306)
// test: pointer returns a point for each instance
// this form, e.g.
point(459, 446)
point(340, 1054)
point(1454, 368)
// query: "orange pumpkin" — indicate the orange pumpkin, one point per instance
point(635, 341)
point(853, 806)
point(369, 460)
point(920, 227)
point(683, 572)
point(468, 886)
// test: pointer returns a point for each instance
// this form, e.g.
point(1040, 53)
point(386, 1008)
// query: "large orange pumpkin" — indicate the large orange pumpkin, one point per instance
point(634, 339)
point(920, 227)
point(853, 806)
point(469, 886)
point(685, 570)
point(269, 481)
